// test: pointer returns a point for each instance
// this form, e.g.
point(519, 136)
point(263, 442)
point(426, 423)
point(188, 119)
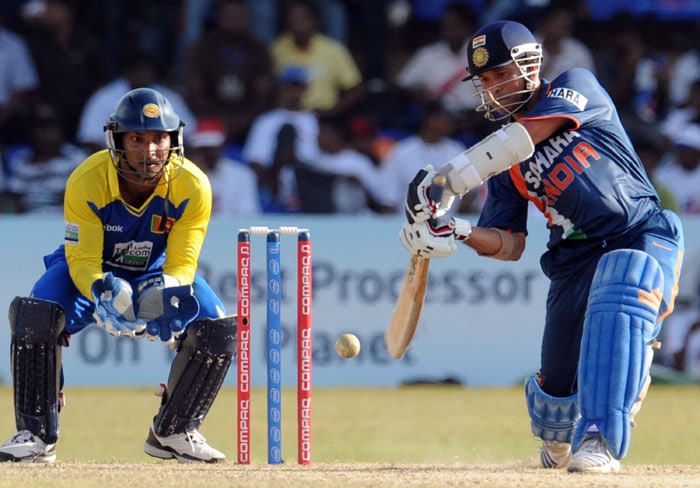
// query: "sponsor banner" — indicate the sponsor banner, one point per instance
point(481, 324)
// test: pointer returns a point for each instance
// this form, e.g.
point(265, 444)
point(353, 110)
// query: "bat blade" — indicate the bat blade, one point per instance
point(407, 311)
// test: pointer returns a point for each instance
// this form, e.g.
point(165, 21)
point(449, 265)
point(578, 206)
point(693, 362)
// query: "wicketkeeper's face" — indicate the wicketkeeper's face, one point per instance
point(145, 154)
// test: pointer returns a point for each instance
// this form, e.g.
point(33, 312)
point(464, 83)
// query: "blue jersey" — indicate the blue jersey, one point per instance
point(586, 178)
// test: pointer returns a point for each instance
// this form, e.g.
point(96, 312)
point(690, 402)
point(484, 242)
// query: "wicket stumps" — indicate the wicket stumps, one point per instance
point(274, 342)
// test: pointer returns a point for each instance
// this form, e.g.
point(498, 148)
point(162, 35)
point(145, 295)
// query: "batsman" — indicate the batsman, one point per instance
point(136, 215)
point(613, 257)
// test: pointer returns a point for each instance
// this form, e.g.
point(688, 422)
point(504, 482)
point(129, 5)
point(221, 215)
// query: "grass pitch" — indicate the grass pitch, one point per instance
point(411, 436)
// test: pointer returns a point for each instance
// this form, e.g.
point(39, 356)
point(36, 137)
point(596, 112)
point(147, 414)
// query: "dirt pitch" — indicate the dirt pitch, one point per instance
point(170, 474)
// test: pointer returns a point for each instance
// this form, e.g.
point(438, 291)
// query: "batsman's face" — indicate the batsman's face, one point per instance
point(145, 154)
point(504, 85)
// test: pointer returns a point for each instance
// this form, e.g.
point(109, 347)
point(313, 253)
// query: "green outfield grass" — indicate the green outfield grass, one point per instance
point(421, 424)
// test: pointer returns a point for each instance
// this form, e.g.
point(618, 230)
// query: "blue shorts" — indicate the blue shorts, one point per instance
point(57, 286)
point(661, 236)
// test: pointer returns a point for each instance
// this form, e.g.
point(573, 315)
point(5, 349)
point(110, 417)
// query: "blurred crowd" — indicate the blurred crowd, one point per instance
point(320, 106)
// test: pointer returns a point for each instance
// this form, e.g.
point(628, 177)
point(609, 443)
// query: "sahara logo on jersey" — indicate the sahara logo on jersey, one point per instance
point(570, 95)
point(557, 163)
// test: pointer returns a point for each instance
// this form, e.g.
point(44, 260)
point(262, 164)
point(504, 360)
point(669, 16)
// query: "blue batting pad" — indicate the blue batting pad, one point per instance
point(617, 334)
point(551, 418)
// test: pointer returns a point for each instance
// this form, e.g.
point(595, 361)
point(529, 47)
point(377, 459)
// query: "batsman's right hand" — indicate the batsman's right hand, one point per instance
point(114, 307)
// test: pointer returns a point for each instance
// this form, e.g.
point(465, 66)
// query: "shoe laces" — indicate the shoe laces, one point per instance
point(594, 444)
point(22, 436)
point(195, 437)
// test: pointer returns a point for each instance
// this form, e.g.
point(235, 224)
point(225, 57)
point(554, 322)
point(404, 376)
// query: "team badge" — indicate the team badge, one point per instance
point(151, 110)
point(159, 224)
point(480, 57)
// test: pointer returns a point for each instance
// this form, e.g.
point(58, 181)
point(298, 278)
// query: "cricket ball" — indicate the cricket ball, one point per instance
point(347, 346)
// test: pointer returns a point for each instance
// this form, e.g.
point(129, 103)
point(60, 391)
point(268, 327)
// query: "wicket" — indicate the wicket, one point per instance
point(274, 342)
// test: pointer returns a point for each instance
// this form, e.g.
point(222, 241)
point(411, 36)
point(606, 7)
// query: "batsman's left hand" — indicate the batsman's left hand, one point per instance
point(166, 310)
point(424, 200)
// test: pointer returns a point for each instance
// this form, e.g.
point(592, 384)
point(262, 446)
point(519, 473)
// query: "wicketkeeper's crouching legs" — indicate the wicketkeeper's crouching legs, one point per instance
point(196, 376)
point(36, 327)
point(616, 354)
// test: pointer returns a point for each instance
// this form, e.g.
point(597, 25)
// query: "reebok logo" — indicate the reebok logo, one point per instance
point(113, 228)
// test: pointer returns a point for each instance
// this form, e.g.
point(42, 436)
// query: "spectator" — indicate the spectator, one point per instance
point(686, 113)
point(265, 17)
point(152, 24)
point(682, 172)
point(561, 51)
point(366, 137)
point(234, 185)
point(71, 61)
point(335, 86)
point(435, 71)
point(18, 84)
point(280, 139)
point(37, 173)
point(636, 78)
point(685, 70)
point(430, 145)
point(355, 188)
point(139, 70)
point(229, 73)
point(652, 154)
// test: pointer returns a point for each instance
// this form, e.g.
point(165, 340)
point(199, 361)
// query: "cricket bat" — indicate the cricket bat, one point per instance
point(407, 311)
point(404, 320)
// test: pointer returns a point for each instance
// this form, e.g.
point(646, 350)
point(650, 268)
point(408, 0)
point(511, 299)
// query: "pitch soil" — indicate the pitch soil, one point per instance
point(170, 474)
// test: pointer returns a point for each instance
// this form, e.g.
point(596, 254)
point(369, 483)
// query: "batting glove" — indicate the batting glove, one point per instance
point(434, 239)
point(114, 307)
point(423, 200)
point(165, 310)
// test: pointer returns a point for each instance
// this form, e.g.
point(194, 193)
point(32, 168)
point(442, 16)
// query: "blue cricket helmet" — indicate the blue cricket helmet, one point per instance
point(499, 43)
point(496, 45)
point(142, 110)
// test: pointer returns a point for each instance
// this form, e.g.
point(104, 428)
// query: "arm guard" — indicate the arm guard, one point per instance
point(495, 153)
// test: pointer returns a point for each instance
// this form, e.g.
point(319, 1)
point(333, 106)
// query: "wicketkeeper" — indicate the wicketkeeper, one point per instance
point(613, 256)
point(136, 215)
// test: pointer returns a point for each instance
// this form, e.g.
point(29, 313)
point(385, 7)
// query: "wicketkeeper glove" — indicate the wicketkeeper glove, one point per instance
point(434, 238)
point(114, 306)
point(165, 310)
point(423, 202)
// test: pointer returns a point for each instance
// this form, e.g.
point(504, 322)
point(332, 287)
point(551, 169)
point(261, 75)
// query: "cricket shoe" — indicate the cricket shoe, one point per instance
point(593, 457)
point(186, 447)
point(555, 454)
point(26, 447)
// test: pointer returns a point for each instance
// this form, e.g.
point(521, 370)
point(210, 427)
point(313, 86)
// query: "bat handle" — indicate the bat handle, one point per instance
point(437, 188)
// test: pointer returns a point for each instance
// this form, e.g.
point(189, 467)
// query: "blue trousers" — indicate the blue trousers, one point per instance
point(661, 236)
point(57, 286)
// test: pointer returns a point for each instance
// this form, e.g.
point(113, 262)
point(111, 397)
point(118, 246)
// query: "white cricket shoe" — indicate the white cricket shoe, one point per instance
point(26, 447)
point(187, 447)
point(593, 457)
point(555, 454)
